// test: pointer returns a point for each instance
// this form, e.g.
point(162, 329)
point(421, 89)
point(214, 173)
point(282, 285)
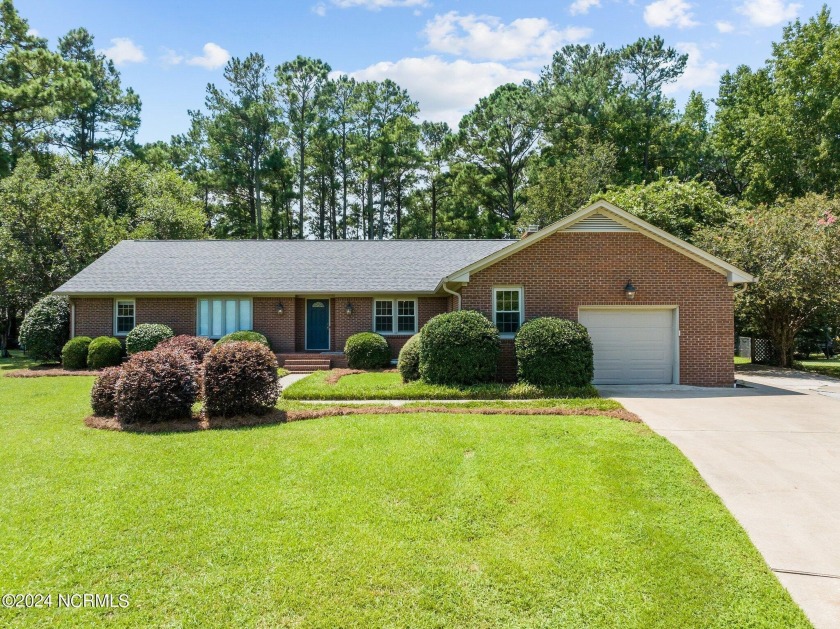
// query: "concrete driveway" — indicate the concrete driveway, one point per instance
point(772, 453)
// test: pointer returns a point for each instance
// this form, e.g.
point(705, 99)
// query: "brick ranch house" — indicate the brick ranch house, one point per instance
point(309, 296)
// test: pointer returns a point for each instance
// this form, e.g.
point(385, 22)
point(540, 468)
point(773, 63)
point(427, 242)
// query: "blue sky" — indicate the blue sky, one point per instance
point(448, 54)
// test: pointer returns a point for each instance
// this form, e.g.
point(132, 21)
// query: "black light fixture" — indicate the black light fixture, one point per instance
point(280, 308)
point(629, 290)
point(348, 308)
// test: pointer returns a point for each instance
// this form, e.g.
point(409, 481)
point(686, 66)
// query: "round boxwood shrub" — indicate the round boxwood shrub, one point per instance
point(195, 347)
point(146, 336)
point(104, 351)
point(459, 347)
point(367, 350)
point(240, 378)
point(155, 386)
point(248, 336)
point(409, 361)
point(103, 393)
point(74, 355)
point(551, 351)
point(46, 328)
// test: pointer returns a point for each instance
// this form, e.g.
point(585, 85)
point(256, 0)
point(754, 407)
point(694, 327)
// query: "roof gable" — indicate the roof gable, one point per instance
point(604, 216)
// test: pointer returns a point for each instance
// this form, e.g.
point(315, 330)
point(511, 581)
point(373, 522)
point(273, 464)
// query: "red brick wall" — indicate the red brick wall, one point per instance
point(569, 269)
point(344, 325)
point(176, 312)
point(94, 317)
point(279, 329)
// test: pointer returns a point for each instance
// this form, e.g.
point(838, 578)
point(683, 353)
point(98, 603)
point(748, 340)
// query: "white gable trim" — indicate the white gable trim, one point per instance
point(733, 274)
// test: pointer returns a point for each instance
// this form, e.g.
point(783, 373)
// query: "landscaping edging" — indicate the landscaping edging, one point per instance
point(278, 416)
point(51, 372)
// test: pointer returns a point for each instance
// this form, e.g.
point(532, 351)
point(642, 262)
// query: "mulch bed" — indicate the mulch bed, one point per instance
point(49, 371)
point(201, 422)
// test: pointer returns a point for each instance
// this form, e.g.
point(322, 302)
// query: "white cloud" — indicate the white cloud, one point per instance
point(446, 90)
point(582, 6)
point(170, 57)
point(724, 27)
point(487, 37)
point(664, 13)
point(699, 72)
point(320, 9)
point(123, 50)
point(769, 12)
point(214, 57)
point(376, 5)
point(33, 32)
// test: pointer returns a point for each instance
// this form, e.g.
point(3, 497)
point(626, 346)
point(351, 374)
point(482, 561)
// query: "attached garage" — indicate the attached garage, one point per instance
point(633, 345)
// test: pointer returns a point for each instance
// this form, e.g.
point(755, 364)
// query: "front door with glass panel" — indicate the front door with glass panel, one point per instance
point(318, 324)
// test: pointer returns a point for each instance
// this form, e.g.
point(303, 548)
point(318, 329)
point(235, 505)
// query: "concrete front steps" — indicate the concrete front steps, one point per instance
point(310, 362)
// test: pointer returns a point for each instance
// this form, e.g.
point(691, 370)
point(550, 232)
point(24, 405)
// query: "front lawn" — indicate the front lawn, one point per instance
point(824, 366)
point(421, 520)
point(388, 385)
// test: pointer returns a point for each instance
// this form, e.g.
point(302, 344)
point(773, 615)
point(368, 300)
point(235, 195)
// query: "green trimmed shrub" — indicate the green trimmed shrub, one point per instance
point(367, 350)
point(74, 355)
point(104, 351)
point(103, 393)
point(195, 347)
point(240, 378)
point(46, 328)
point(146, 336)
point(459, 347)
point(248, 336)
point(554, 352)
point(155, 386)
point(409, 360)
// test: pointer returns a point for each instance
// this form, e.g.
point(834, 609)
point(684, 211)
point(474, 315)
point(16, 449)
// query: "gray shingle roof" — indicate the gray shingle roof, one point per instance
point(276, 266)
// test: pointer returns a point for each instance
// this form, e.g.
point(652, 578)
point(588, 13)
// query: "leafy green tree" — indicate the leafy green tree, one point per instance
point(793, 249)
point(645, 111)
point(577, 95)
point(559, 187)
point(35, 84)
point(240, 129)
point(497, 138)
point(299, 84)
point(680, 208)
point(438, 142)
point(109, 120)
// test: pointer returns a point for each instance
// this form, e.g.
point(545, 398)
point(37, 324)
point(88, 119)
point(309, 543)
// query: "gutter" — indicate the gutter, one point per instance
point(451, 292)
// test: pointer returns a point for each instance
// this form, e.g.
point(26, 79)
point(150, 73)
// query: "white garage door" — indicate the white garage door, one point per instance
point(631, 346)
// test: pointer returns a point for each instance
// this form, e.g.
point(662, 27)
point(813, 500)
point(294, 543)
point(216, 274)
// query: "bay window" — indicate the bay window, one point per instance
point(216, 317)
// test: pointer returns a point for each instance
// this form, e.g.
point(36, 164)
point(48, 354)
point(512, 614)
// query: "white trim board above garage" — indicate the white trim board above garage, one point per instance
point(603, 216)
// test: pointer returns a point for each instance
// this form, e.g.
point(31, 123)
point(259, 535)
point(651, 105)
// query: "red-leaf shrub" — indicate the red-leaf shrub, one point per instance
point(103, 394)
point(240, 378)
point(156, 386)
point(195, 347)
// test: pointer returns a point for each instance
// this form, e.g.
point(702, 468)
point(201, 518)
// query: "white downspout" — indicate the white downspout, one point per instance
point(452, 292)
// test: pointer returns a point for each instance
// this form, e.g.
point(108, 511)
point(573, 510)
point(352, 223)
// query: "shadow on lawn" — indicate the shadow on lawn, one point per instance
point(277, 416)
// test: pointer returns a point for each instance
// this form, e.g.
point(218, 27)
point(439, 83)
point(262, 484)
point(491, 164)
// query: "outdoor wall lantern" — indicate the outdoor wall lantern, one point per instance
point(348, 308)
point(280, 308)
point(629, 290)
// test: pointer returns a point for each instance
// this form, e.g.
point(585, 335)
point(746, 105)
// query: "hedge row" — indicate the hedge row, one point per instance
point(234, 378)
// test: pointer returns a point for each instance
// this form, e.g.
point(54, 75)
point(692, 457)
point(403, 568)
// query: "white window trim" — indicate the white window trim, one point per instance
point(510, 335)
point(212, 298)
point(394, 315)
point(124, 300)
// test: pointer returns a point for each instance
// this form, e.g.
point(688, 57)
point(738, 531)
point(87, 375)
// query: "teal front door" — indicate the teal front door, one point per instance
point(318, 324)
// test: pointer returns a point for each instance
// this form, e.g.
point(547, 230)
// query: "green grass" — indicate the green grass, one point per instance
point(389, 386)
point(824, 366)
point(742, 360)
point(17, 360)
point(405, 520)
